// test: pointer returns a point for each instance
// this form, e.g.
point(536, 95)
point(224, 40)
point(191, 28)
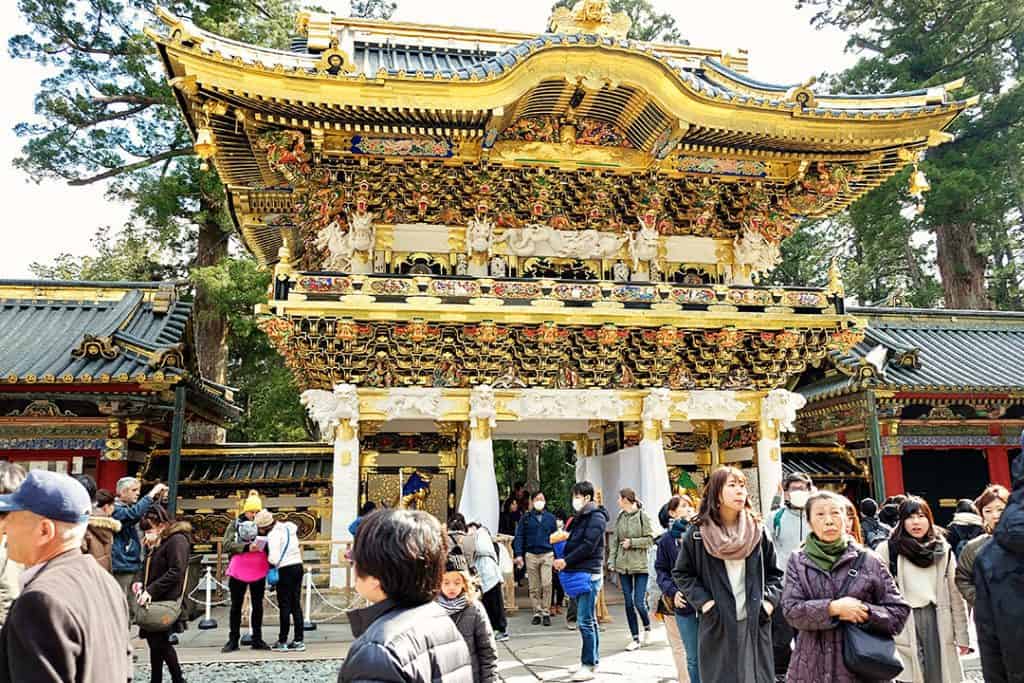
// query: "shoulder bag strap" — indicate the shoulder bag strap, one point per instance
point(184, 586)
point(852, 573)
point(287, 540)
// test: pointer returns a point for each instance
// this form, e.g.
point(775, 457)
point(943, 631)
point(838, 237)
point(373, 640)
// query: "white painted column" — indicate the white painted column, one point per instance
point(654, 487)
point(337, 415)
point(479, 501)
point(778, 412)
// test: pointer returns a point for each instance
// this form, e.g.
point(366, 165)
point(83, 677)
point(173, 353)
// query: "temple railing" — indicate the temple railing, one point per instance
point(558, 293)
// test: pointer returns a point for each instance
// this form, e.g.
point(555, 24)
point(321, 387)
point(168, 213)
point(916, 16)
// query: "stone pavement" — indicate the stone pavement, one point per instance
point(533, 653)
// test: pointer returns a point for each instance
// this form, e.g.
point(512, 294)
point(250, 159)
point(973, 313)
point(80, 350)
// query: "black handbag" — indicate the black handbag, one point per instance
point(869, 655)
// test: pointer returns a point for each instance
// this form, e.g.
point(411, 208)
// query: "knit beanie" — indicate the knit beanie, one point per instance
point(263, 519)
point(253, 502)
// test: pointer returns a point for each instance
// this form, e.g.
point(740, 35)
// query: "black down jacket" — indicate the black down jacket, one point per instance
point(584, 549)
point(999, 580)
point(405, 645)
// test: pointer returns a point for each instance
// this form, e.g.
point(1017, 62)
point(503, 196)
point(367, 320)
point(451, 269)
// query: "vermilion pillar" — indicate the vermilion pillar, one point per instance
point(998, 465)
point(892, 466)
point(108, 472)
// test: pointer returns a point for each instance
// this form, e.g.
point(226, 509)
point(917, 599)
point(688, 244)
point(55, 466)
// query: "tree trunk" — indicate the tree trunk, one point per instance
point(209, 324)
point(961, 267)
point(533, 466)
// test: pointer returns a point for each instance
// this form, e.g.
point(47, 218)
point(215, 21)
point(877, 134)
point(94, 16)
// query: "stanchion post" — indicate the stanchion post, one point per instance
point(208, 622)
point(310, 625)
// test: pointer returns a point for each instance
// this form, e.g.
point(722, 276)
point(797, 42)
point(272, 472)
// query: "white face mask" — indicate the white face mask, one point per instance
point(798, 499)
point(538, 505)
point(577, 503)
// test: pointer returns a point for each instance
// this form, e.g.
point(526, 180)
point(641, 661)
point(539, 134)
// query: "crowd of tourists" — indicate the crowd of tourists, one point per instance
point(816, 590)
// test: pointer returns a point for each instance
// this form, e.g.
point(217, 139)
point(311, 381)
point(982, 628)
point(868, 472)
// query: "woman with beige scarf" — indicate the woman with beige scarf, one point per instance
point(726, 568)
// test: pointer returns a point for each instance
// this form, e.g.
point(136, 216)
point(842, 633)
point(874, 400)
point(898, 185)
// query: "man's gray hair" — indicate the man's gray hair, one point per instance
point(11, 476)
point(125, 482)
point(71, 533)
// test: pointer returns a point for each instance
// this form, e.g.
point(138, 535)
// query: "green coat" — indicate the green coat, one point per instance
point(638, 529)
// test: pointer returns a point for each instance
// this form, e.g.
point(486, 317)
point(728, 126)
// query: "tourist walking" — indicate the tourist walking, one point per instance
point(532, 547)
point(248, 567)
point(11, 476)
point(789, 530)
point(99, 536)
point(129, 509)
point(405, 635)
point(727, 569)
point(990, 503)
point(924, 567)
point(967, 525)
point(814, 601)
point(458, 598)
point(875, 531)
point(482, 554)
point(164, 580)
point(632, 537)
point(70, 622)
point(584, 555)
point(999, 580)
point(679, 616)
point(508, 521)
point(285, 554)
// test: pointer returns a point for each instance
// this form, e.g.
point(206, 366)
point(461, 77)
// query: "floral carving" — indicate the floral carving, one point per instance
point(580, 404)
point(328, 409)
point(710, 405)
point(781, 406)
point(412, 403)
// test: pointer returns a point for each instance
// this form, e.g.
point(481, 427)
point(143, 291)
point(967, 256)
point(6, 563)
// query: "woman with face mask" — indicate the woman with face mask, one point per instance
point(679, 616)
point(991, 504)
point(727, 570)
point(811, 601)
point(924, 566)
point(627, 556)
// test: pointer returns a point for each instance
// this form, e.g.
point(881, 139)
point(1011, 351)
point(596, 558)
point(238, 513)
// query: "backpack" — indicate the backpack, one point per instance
point(777, 523)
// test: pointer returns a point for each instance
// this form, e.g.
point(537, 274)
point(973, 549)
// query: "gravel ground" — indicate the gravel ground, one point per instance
point(253, 672)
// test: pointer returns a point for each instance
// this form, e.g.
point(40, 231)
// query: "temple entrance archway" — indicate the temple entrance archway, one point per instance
point(943, 476)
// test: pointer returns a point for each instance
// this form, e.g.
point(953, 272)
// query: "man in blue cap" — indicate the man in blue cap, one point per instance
point(70, 622)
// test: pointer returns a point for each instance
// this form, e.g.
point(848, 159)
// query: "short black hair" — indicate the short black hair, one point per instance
point(156, 515)
point(456, 522)
point(868, 507)
point(583, 488)
point(104, 497)
point(402, 549)
point(966, 505)
point(89, 483)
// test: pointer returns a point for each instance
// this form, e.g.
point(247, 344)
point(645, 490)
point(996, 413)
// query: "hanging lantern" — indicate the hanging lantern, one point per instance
point(205, 146)
point(918, 186)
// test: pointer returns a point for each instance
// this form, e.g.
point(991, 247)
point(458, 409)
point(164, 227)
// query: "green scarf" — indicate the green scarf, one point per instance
point(825, 555)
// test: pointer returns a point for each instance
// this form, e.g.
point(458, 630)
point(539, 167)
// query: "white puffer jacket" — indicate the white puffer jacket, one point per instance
point(284, 538)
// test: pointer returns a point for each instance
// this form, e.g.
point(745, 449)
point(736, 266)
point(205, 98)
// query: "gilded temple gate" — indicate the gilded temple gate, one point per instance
point(480, 233)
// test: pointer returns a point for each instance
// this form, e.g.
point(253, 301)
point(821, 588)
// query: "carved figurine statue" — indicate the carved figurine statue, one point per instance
point(643, 245)
point(620, 272)
point(446, 374)
point(509, 378)
point(479, 236)
point(461, 264)
point(498, 267)
point(567, 378)
point(626, 378)
point(679, 376)
point(380, 263)
point(381, 374)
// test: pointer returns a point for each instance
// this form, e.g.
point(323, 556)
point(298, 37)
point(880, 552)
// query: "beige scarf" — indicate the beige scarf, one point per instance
point(731, 543)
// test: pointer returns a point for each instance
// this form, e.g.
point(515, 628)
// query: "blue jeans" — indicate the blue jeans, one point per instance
point(688, 632)
point(587, 622)
point(634, 588)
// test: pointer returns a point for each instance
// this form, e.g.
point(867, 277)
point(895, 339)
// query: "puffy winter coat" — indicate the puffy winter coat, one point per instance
point(476, 630)
point(405, 645)
point(875, 531)
point(584, 549)
point(533, 533)
point(635, 526)
point(165, 573)
point(818, 656)
point(99, 539)
point(999, 581)
point(703, 577)
point(965, 567)
point(664, 562)
point(126, 553)
point(950, 612)
point(283, 548)
point(966, 526)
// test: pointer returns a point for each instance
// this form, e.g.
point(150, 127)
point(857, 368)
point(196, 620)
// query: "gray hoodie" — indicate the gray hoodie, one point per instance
point(790, 529)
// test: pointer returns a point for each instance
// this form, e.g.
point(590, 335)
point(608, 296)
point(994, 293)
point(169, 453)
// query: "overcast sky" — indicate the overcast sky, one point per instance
point(47, 218)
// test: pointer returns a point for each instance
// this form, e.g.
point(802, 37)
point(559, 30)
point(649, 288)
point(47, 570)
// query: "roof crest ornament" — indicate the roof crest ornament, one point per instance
point(590, 16)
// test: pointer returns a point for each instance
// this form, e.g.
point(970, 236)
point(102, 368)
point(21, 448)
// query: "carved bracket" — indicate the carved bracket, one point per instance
point(330, 408)
point(710, 405)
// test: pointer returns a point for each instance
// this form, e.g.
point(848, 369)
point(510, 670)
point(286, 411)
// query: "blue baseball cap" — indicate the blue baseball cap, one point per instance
point(51, 495)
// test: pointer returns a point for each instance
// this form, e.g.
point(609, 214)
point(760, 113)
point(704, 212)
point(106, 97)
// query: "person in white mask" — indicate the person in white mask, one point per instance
point(789, 529)
point(533, 547)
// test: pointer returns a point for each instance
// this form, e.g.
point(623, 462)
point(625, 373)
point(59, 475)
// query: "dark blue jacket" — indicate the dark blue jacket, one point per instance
point(999, 581)
point(126, 553)
point(664, 562)
point(533, 533)
point(584, 551)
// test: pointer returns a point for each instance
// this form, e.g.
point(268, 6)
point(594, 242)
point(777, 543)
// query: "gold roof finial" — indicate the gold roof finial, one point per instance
point(590, 16)
point(835, 279)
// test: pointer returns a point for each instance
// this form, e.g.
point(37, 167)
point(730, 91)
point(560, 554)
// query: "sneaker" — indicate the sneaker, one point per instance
point(546, 620)
point(645, 637)
point(633, 645)
point(258, 644)
point(279, 647)
point(232, 646)
point(536, 620)
point(571, 625)
point(501, 636)
point(585, 673)
point(297, 646)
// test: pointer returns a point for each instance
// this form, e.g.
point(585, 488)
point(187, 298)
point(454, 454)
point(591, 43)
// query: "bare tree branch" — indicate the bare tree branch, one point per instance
point(135, 166)
point(127, 98)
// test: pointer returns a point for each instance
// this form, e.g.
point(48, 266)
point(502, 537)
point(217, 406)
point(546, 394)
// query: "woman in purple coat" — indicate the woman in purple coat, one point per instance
point(812, 605)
